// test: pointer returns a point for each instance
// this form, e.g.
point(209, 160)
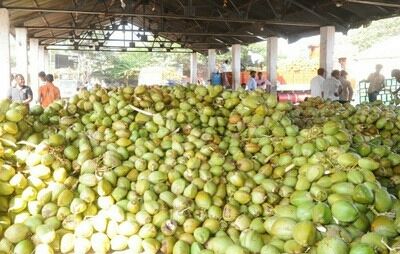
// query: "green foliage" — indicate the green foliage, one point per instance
point(255, 48)
point(119, 66)
point(123, 66)
point(125, 63)
point(376, 32)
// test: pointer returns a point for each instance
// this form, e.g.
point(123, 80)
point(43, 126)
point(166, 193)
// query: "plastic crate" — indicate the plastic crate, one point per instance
point(385, 95)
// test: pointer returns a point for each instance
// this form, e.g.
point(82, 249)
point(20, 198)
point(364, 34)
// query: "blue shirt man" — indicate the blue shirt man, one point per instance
point(252, 83)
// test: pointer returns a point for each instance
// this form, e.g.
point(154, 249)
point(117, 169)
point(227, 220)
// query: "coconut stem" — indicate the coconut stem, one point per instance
point(141, 111)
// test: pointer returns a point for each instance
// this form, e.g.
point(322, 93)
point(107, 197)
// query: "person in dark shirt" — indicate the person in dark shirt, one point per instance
point(25, 94)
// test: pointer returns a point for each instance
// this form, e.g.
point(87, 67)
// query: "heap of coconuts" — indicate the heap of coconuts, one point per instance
point(198, 170)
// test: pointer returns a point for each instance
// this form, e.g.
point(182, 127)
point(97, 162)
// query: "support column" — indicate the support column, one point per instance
point(46, 61)
point(4, 53)
point(33, 66)
point(236, 66)
point(21, 39)
point(212, 55)
point(193, 68)
point(272, 62)
point(41, 58)
point(327, 49)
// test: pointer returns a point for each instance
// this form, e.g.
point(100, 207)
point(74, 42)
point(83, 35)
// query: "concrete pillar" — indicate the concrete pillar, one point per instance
point(33, 66)
point(21, 39)
point(46, 61)
point(4, 53)
point(327, 48)
point(193, 68)
point(212, 56)
point(272, 62)
point(41, 58)
point(236, 66)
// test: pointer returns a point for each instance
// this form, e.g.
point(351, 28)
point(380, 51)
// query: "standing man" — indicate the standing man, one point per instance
point(331, 86)
point(48, 92)
point(263, 83)
point(42, 77)
point(42, 82)
point(346, 91)
point(396, 75)
point(376, 83)
point(317, 82)
point(22, 93)
point(224, 72)
point(252, 83)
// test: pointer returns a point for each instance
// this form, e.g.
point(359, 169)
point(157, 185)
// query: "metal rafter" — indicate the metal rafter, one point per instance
point(235, 8)
point(176, 17)
point(119, 50)
point(42, 16)
point(273, 9)
point(88, 45)
point(314, 13)
point(62, 28)
point(249, 8)
point(375, 3)
point(91, 17)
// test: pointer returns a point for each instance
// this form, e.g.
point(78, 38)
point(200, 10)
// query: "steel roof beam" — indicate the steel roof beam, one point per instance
point(314, 13)
point(114, 50)
point(61, 28)
point(119, 40)
point(384, 4)
point(177, 17)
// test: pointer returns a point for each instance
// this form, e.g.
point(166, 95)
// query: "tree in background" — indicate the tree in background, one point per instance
point(376, 32)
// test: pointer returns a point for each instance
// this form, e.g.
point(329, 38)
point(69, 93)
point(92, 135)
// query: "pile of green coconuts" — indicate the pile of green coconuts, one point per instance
point(198, 170)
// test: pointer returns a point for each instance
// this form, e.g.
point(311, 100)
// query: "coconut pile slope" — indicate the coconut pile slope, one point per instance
point(198, 170)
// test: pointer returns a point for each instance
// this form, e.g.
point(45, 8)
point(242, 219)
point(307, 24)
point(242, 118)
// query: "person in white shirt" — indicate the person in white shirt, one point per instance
point(263, 83)
point(316, 84)
point(252, 83)
point(331, 86)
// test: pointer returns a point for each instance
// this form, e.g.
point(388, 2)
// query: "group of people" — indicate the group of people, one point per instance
point(20, 92)
point(256, 79)
point(335, 88)
point(258, 82)
point(338, 88)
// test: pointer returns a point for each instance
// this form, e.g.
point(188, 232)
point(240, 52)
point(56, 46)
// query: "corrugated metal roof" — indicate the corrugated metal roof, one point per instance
point(210, 23)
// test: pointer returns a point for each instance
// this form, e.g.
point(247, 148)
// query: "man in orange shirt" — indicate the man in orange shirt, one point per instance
point(48, 92)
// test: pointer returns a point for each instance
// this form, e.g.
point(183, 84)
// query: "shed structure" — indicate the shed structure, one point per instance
point(178, 26)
